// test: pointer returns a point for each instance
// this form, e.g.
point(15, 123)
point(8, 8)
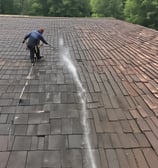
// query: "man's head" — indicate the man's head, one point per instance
point(41, 30)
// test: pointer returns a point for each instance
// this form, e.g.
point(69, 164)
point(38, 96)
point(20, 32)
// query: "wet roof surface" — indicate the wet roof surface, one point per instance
point(92, 102)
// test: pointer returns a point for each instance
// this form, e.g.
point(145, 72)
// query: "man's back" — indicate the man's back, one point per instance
point(34, 38)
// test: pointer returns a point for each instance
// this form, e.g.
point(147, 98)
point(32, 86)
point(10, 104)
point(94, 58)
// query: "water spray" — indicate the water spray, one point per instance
point(64, 53)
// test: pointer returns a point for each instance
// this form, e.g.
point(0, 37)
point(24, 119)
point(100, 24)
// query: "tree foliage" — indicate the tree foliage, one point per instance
point(107, 8)
point(144, 12)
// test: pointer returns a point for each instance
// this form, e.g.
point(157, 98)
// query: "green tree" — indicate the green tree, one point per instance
point(6, 6)
point(33, 7)
point(132, 11)
point(17, 6)
point(55, 7)
point(2, 6)
point(107, 8)
point(144, 12)
point(44, 6)
point(77, 8)
point(69, 8)
point(150, 10)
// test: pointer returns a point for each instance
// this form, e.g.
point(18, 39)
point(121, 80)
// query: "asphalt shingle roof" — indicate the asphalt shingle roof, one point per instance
point(91, 103)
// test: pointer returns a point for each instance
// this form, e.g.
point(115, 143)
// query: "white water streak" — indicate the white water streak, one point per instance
point(65, 56)
point(10, 128)
point(26, 83)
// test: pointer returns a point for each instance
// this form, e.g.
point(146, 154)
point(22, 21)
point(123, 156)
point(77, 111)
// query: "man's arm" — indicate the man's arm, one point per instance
point(43, 40)
point(26, 37)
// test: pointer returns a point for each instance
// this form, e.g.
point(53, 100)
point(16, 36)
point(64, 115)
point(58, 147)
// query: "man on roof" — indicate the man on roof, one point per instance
point(34, 39)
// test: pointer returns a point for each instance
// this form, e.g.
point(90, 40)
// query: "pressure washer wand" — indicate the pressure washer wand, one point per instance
point(51, 46)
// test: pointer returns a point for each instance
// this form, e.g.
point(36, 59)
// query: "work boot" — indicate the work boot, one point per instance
point(39, 57)
point(33, 61)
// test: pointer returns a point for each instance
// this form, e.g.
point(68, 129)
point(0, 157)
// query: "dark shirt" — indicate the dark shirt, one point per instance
point(34, 38)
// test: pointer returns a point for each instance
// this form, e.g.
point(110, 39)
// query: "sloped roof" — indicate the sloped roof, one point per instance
point(92, 102)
